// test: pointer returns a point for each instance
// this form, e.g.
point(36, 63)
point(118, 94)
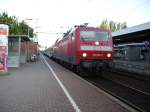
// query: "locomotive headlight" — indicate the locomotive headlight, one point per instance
point(96, 43)
point(84, 54)
point(108, 55)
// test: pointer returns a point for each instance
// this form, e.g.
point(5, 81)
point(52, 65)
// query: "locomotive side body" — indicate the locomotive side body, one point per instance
point(64, 49)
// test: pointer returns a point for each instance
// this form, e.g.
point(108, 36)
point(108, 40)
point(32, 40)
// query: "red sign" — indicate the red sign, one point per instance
point(3, 31)
point(3, 48)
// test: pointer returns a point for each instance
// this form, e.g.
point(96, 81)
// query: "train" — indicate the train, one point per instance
point(84, 49)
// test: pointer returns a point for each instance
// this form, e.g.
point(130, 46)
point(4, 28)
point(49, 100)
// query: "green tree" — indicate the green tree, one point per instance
point(118, 26)
point(104, 24)
point(113, 26)
point(124, 25)
point(15, 27)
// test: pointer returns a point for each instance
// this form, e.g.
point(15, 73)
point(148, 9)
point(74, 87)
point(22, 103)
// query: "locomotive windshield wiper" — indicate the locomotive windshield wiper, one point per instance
point(84, 38)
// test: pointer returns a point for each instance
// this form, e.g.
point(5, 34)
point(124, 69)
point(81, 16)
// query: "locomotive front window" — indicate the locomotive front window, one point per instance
point(94, 36)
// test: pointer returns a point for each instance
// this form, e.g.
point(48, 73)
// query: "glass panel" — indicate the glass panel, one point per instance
point(94, 36)
point(13, 52)
point(13, 47)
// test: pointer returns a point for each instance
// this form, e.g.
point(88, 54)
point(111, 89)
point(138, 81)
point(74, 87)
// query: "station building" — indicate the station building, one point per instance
point(132, 48)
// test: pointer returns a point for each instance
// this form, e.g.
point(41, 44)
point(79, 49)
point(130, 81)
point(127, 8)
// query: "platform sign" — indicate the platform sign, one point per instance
point(4, 29)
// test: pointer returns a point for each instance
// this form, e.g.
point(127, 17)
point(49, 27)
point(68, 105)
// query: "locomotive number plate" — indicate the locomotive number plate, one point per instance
point(97, 54)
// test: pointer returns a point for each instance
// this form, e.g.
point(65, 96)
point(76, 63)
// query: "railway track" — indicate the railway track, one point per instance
point(134, 75)
point(136, 96)
point(131, 90)
point(130, 82)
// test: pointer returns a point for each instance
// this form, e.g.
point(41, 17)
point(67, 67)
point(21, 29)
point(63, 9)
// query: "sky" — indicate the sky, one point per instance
point(56, 16)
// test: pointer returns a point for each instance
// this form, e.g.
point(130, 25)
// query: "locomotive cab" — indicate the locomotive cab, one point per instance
point(95, 48)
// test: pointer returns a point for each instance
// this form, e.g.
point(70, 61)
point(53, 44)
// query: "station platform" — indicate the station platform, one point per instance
point(140, 67)
point(45, 86)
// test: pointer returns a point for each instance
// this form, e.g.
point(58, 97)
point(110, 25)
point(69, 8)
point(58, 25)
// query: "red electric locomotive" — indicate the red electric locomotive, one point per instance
point(85, 49)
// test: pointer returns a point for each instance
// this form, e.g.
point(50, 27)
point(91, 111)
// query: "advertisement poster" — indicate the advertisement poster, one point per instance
point(3, 48)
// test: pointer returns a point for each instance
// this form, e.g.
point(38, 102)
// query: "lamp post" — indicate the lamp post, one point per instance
point(36, 30)
point(27, 19)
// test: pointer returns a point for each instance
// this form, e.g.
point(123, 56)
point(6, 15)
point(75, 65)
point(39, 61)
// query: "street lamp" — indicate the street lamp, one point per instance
point(36, 30)
point(28, 26)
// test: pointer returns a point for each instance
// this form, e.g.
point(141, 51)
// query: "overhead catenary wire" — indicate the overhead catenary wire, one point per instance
point(139, 6)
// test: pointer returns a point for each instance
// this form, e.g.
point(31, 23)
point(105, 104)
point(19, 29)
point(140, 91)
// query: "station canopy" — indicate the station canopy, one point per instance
point(23, 37)
point(133, 34)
